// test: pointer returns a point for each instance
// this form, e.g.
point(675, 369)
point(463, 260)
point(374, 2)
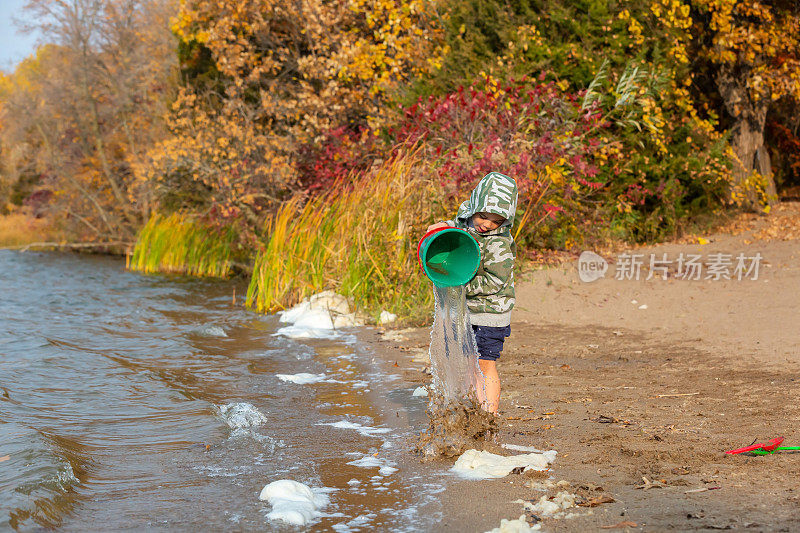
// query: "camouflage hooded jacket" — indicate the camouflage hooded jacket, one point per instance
point(490, 294)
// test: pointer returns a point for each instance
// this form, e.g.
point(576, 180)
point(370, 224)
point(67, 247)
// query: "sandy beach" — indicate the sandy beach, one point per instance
point(641, 386)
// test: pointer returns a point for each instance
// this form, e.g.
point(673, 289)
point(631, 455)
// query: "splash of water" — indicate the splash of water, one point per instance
point(457, 421)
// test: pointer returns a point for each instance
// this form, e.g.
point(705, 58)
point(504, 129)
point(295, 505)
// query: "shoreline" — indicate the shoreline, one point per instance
point(642, 403)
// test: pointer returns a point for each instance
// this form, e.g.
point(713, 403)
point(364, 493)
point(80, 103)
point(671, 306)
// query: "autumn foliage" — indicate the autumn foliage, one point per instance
point(620, 120)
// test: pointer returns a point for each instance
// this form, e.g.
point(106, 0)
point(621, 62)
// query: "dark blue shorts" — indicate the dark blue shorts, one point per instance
point(490, 341)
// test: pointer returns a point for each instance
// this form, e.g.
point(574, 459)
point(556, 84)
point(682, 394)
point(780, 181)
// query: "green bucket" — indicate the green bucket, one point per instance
point(449, 256)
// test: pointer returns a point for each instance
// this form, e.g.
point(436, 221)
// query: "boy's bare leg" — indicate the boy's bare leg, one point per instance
point(491, 385)
point(480, 385)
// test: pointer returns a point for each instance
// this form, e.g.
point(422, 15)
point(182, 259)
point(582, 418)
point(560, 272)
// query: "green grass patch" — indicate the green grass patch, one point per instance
point(180, 244)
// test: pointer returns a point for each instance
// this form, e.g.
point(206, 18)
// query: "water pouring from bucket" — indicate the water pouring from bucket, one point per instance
point(449, 256)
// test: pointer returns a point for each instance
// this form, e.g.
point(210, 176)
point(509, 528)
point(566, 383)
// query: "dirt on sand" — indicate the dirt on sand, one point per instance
point(642, 385)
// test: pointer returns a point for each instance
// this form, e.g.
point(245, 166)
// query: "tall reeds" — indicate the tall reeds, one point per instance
point(358, 239)
point(179, 243)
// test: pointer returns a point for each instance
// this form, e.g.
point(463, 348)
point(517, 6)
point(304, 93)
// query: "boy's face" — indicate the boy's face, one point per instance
point(484, 222)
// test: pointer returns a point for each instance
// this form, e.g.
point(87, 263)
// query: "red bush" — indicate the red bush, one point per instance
point(342, 153)
point(513, 128)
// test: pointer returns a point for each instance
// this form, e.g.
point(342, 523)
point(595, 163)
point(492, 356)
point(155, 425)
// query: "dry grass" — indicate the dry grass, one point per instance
point(19, 229)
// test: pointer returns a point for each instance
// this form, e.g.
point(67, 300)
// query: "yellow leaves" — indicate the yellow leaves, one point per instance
point(359, 51)
point(655, 8)
point(635, 31)
point(760, 37)
point(202, 36)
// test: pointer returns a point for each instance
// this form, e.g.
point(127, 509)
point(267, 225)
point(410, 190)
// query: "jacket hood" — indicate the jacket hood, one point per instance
point(496, 193)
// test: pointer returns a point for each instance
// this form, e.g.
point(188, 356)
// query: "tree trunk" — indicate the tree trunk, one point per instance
point(747, 133)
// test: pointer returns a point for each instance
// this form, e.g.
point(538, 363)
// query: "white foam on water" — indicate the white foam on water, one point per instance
point(385, 467)
point(270, 443)
point(367, 431)
point(241, 415)
point(218, 471)
point(293, 502)
point(211, 331)
point(485, 465)
point(62, 479)
point(354, 524)
point(387, 470)
point(66, 476)
point(368, 461)
point(303, 378)
point(420, 392)
point(299, 332)
point(353, 482)
point(515, 526)
point(318, 316)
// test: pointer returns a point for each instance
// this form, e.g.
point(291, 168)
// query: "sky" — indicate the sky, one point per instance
point(14, 46)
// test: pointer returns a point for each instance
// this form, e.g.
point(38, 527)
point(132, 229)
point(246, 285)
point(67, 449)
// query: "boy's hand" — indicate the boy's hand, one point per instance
point(437, 226)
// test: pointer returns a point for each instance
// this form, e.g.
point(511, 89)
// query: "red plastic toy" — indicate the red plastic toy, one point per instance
point(774, 443)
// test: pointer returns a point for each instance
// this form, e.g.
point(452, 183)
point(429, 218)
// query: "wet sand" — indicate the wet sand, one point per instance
point(642, 403)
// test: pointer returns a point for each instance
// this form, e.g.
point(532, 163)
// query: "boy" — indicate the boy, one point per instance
point(488, 216)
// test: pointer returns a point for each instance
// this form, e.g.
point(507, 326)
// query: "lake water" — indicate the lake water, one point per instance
point(151, 402)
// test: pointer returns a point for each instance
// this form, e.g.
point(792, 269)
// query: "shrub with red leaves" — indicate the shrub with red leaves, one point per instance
point(788, 148)
point(342, 153)
point(516, 128)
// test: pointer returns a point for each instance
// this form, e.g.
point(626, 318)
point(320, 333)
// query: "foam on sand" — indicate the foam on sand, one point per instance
point(303, 378)
point(484, 465)
point(518, 448)
point(293, 502)
point(515, 526)
point(553, 507)
point(241, 415)
point(386, 318)
point(318, 316)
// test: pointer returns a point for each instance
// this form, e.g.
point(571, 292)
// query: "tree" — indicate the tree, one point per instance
point(753, 49)
point(265, 78)
point(89, 104)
